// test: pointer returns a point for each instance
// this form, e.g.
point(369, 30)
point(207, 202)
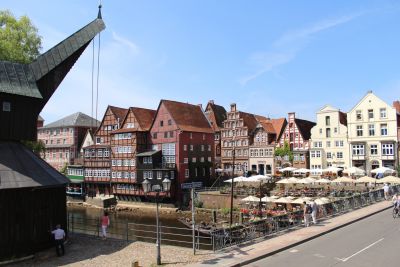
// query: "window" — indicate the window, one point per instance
point(6, 106)
point(359, 130)
point(195, 172)
point(191, 147)
point(358, 115)
point(382, 113)
point(209, 148)
point(202, 147)
point(327, 120)
point(335, 130)
point(169, 122)
point(98, 140)
point(318, 154)
point(161, 123)
point(204, 137)
point(209, 159)
point(328, 132)
point(185, 160)
point(172, 175)
point(371, 130)
point(100, 153)
point(358, 150)
point(328, 143)
point(194, 159)
point(191, 136)
point(147, 160)
point(154, 135)
point(159, 175)
point(339, 155)
point(388, 149)
point(370, 113)
point(204, 171)
point(106, 153)
point(320, 130)
point(202, 159)
point(130, 125)
point(148, 175)
point(384, 130)
point(186, 173)
point(171, 134)
point(328, 155)
point(165, 134)
point(184, 147)
point(374, 149)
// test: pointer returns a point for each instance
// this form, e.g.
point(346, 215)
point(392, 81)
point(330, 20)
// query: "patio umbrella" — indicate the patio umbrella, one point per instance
point(282, 200)
point(389, 179)
point(302, 171)
point(307, 180)
point(383, 170)
point(293, 180)
point(354, 171)
point(250, 199)
point(343, 180)
point(366, 179)
point(236, 179)
point(301, 200)
point(267, 199)
point(257, 178)
point(322, 201)
point(332, 169)
point(287, 169)
point(283, 181)
point(323, 181)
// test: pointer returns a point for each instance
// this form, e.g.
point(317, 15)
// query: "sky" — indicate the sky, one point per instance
point(268, 57)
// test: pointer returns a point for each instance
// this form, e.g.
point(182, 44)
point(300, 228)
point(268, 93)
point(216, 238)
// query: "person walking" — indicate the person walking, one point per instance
point(314, 208)
point(386, 191)
point(59, 236)
point(105, 222)
point(306, 212)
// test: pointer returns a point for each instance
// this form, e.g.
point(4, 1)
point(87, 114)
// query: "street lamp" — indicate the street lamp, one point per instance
point(147, 188)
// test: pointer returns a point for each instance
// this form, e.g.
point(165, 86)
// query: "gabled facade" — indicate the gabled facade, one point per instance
point(216, 115)
point(185, 138)
point(329, 145)
point(236, 137)
point(126, 143)
point(297, 134)
point(373, 136)
point(97, 158)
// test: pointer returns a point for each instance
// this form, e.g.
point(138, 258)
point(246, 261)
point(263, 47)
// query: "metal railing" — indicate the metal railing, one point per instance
point(128, 231)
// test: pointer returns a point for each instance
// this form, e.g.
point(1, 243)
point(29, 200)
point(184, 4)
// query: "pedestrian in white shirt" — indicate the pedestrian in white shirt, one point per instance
point(59, 236)
point(386, 191)
point(314, 208)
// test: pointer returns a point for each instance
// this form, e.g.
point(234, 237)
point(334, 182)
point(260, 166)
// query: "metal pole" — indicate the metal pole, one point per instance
point(233, 175)
point(193, 223)
point(260, 204)
point(158, 233)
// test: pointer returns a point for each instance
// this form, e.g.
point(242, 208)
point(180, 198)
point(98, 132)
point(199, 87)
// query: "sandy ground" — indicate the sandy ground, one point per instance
point(83, 250)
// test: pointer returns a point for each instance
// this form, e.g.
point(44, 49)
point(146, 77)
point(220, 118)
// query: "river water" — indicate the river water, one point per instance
point(131, 226)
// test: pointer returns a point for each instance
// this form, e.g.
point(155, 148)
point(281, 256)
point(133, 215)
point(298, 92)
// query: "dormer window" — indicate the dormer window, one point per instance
point(6, 106)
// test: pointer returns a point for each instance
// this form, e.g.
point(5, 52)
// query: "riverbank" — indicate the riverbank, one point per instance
point(82, 250)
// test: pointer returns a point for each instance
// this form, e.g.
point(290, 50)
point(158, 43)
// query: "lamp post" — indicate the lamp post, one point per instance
point(147, 188)
point(233, 176)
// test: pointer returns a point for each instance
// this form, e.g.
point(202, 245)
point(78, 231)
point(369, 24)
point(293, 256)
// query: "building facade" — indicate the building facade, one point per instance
point(216, 115)
point(373, 134)
point(297, 134)
point(329, 145)
point(97, 157)
point(126, 143)
point(64, 137)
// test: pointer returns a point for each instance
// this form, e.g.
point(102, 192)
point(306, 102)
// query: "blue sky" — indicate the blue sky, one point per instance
point(270, 57)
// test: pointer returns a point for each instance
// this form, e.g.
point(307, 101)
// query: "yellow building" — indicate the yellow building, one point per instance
point(329, 146)
point(372, 134)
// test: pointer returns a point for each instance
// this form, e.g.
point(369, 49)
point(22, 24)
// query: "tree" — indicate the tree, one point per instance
point(19, 39)
point(284, 151)
point(38, 147)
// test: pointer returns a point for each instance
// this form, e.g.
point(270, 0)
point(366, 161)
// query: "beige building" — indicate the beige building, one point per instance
point(372, 134)
point(329, 145)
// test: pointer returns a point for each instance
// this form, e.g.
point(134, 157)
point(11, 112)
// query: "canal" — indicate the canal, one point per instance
point(134, 226)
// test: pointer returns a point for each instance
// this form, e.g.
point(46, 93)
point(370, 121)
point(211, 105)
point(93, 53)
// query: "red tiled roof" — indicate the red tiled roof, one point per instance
point(119, 112)
point(144, 116)
point(268, 127)
point(188, 117)
point(249, 120)
point(279, 126)
point(219, 115)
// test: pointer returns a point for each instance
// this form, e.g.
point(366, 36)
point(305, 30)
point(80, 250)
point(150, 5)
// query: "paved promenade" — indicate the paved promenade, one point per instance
point(238, 256)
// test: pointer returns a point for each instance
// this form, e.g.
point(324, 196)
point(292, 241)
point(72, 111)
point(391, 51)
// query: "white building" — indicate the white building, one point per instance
point(329, 145)
point(372, 134)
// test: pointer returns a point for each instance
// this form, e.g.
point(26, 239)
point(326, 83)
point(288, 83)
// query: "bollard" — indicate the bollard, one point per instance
point(135, 264)
point(214, 216)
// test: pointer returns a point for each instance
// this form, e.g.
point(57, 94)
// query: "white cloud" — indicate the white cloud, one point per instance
point(287, 46)
point(126, 42)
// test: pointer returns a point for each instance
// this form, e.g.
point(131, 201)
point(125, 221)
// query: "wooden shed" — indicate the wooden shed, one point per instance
point(32, 193)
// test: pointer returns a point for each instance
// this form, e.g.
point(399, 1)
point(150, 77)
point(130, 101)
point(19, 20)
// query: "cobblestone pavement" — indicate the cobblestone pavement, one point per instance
point(90, 251)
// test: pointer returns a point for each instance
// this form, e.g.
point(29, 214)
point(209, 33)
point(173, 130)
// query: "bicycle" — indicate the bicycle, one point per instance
point(395, 213)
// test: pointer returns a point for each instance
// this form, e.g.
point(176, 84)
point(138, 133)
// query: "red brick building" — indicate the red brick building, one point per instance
point(297, 134)
point(63, 138)
point(97, 157)
point(216, 115)
point(185, 138)
point(128, 141)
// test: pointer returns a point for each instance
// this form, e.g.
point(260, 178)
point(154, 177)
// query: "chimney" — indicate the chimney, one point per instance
point(233, 107)
point(396, 105)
